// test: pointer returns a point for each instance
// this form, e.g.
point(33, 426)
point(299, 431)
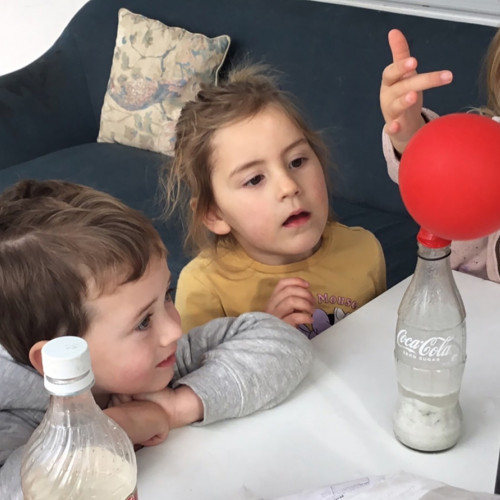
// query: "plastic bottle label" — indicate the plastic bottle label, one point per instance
point(431, 349)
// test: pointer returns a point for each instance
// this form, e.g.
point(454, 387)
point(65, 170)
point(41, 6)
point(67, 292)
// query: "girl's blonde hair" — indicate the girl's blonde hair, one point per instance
point(187, 184)
point(492, 77)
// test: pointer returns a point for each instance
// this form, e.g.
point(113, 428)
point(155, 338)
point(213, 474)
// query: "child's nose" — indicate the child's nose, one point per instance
point(287, 186)
point(171, 330)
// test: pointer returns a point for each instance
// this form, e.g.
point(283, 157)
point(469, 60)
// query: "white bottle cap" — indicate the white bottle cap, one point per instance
point(66, 366)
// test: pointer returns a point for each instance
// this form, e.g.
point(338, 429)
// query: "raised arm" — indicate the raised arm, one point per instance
point(401, 90)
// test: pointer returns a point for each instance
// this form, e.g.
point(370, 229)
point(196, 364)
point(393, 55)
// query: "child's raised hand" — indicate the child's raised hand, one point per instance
point(291, 301)
point(401, 91)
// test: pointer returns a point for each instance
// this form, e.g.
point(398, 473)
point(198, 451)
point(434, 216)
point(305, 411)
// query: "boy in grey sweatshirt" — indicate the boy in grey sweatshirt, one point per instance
point(77, 261)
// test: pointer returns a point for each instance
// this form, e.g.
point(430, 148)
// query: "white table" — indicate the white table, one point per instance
point(337, 425)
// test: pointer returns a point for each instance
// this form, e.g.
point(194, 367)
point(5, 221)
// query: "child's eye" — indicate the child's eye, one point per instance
point(297, 162)
point(168, 294)
point(144, 324)
point(254, 180)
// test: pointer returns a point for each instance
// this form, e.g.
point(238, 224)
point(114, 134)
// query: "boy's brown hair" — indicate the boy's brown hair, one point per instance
point(247, 90)
point(56, 239)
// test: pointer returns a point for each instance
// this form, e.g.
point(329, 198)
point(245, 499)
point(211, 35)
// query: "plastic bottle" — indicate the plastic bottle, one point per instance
point(77, 452)
point(430, 352)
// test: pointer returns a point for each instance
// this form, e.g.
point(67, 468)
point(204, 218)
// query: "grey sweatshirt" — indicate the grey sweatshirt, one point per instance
point(235, 365)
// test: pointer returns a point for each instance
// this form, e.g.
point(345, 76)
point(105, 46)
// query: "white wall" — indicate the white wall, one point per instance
point(29, 27)
point(485, 12)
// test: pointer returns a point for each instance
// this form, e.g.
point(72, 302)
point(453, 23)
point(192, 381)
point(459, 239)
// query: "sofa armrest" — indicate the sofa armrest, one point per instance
point(45, 106)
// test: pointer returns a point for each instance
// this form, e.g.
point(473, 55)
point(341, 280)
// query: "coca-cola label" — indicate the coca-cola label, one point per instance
point(431, 349)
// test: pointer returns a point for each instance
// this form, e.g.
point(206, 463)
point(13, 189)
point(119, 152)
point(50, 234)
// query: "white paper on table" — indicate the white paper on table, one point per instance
point(338, 491)
point(392, 487)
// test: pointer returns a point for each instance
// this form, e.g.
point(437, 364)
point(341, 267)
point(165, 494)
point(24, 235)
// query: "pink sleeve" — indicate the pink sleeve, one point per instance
point(390, 153)
point(479, 257)
point(493, 257)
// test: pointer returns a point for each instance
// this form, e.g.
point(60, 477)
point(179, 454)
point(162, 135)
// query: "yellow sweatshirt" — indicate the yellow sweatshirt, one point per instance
point(346, 272)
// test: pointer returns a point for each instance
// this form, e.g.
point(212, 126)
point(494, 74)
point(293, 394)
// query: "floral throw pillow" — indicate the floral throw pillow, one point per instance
point(155, 70)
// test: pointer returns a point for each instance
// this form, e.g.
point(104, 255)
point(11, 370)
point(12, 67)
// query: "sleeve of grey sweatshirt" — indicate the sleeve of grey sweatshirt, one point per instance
point(10, 477)
point(240, 365)
point(23, 401)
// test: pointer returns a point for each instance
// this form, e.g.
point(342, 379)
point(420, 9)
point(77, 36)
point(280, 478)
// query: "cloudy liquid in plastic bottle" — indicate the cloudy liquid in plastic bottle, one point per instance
point(430, 351)
point(428, 416)
point(116, 480)
point(77, 452)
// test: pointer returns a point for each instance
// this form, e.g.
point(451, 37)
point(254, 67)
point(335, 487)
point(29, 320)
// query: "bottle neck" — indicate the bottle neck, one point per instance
point(72, 410)
point(433, 276)
point(432, 297)
point(433, 266)
point(433, 254)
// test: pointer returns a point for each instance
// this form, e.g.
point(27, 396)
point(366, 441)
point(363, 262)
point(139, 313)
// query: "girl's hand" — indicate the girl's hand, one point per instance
point(401, 89)
point(291, 301)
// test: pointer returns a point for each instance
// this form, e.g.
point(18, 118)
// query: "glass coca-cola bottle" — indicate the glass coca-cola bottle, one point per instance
point(430, 352)
point(77, 452)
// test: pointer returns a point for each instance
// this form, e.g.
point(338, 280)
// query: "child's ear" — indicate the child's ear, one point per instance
point(36, 356)
point(215, 223)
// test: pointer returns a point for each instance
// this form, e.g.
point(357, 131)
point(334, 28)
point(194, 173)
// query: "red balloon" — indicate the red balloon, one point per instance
point(449, 176)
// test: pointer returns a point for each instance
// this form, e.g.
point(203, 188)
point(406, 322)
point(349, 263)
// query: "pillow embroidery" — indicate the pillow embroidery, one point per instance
point(156, 69)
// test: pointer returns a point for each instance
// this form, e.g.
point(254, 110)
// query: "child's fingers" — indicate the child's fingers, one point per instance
point(398, 70)
point(398, 44)
point(392, 128)
point(424, 81)
point(297, 318)
point(155, 440)
point(118, 399)
point(400, 105)
point(290, 305)
point(290, 282)
point(281, 296)
point(291, 295)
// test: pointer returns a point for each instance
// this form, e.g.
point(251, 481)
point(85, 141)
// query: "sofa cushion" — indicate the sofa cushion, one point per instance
point(155, 70)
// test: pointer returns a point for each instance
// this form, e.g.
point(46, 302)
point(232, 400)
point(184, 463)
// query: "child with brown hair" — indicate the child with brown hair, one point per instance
point(76, 261)
point(252, 176)
point(401, 104)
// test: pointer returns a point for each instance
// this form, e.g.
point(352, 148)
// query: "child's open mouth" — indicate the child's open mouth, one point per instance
point(297, 219)
point(170, 361)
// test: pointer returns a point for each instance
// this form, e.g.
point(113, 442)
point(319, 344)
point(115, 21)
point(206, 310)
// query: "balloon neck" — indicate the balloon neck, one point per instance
point(430, 240)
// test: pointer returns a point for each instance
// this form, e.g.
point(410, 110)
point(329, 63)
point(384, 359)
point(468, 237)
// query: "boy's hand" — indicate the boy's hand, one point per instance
point(401, 92)
point(291, 301)
point(182, 405)
point(145, 422)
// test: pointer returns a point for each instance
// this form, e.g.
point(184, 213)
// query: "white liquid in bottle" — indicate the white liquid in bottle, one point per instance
point(115, 480)
point(77, 452)
point(430, 355)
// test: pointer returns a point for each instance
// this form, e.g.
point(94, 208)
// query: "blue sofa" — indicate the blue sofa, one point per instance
point(331, 57)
